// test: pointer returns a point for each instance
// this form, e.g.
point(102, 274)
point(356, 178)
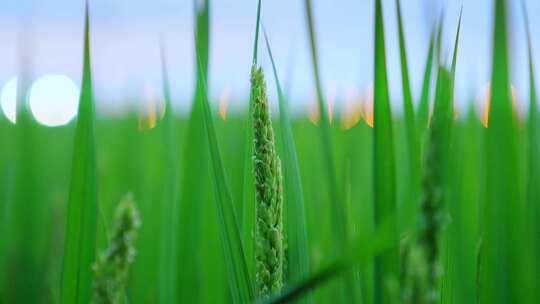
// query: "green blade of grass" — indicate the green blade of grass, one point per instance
point(168, 229)
point(240, 285)
point(195, 171)
point(387, 264)
point(455, 55)
point(435, 179)
point(296, 232)
point(248, 193)
point(338, 223)
point(237, 273)
point(452, 255)
point(423, 107)
point(412, 136)
point(506, 273)
point(533, 182)
point(80, 241)
point(27, 210)
point(337, 207)
point(439, 39)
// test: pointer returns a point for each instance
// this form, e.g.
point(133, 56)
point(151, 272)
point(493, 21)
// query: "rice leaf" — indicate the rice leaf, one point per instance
point(533, 182)
point(456, 49)
point(195, 171)
point(80, 241)
point(413, 151)
point(338, 217)
point(296, 231)
point(169, 210)
point(505, 276)
point(423, 107)
point(240, 286)
point(387, 264)
point(337, 207)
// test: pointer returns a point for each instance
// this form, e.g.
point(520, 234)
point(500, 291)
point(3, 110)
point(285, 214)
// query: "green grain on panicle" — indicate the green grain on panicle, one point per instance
point(268, 193)
point(80, 242)
point(112, 265)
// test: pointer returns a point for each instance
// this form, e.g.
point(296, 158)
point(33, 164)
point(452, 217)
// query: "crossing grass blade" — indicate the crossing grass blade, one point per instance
point(248, 193)
point(413, 151)
point(359, 253)
point(505, 259)
point(533, 180)
point(80, 241)
point(387, 264)
point(168, 230)
point(296, 231)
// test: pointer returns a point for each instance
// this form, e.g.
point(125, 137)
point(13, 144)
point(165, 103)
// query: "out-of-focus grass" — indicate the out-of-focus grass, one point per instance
point(191, 177)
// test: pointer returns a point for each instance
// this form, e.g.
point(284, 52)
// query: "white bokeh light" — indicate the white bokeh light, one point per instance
point(54, 100)
point(8, 100)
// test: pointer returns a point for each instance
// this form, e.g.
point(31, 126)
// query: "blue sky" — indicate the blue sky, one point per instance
point(126, 35)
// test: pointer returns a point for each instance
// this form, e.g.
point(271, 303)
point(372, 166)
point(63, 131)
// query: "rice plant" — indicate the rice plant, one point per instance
point(424, 201)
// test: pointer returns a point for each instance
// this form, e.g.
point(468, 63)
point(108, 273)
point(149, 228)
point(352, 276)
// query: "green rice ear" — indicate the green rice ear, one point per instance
point(268, 193)
point(112, 265)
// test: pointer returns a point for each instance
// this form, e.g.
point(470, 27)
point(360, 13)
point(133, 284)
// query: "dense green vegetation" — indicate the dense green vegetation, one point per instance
point(390, 208)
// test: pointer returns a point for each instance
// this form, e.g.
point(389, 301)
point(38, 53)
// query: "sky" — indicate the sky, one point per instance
point(126, 36)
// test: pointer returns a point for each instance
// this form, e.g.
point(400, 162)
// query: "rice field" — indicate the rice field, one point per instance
point(351, 205)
